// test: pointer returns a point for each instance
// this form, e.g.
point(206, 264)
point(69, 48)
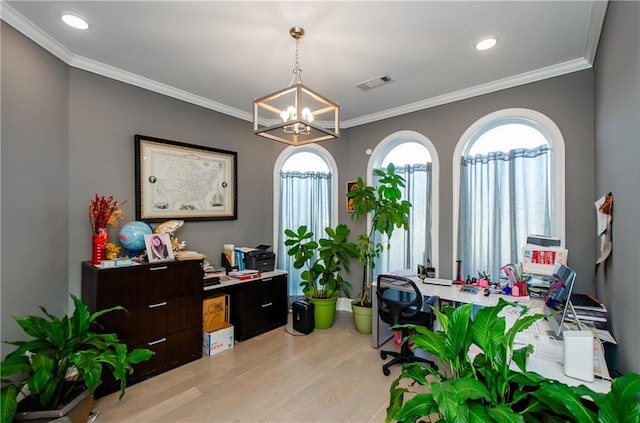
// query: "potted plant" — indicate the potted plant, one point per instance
point(323, 261)
point(63, 360)
point(388, 211)
point(484, 387)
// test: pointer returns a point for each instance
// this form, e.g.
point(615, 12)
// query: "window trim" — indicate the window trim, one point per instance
point(375, 160)
point(557, 168)
point(286, 154)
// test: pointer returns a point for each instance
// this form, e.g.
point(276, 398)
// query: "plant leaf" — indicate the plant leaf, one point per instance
point(622, 403)
point(502, 413)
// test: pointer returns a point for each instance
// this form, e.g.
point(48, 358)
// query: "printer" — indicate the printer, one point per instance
point(260, 259)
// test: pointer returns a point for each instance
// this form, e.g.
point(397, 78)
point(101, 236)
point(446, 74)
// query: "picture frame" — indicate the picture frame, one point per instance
point(158, 247)
point(350, 186)
point(176, 180)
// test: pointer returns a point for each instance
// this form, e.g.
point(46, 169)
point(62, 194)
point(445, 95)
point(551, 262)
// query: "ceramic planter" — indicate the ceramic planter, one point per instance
point(362, 317)
point(324, 311)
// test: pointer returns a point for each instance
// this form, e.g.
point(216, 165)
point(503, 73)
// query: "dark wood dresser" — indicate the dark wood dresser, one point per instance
point(257, 305)
point(164, 312)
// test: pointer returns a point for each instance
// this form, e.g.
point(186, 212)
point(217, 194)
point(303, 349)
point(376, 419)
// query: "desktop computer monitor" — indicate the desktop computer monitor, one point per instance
point(559, 296)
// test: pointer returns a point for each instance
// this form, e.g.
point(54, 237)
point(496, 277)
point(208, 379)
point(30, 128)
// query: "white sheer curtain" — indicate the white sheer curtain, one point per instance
point(410, 248)
point(305, 199)
point(503, 198)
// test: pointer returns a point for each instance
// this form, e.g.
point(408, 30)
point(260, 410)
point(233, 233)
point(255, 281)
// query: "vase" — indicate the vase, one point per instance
point(98, 249)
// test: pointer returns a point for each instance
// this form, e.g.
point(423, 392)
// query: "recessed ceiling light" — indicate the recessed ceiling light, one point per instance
point(486, 43)
point(75, 21)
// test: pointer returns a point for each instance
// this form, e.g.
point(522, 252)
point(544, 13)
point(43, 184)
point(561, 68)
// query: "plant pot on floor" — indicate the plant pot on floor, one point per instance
point(324, 311)
point(77, 411)
point(362, 317)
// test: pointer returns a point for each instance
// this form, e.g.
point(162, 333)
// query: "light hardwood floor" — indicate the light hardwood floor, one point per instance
point(330, 375)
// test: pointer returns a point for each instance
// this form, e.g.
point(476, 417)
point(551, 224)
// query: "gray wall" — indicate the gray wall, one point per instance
point(35, 186)
point(567, 100)
point(55, 159)
point(617, 149)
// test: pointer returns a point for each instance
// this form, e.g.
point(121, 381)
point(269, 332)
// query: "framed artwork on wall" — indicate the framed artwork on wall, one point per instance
point(175, 180)
point(158, 247)
point(350, 186)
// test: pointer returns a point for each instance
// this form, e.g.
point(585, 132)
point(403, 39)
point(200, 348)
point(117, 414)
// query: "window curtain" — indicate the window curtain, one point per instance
point(409, 248)
point(503, 198)
point(305, 199)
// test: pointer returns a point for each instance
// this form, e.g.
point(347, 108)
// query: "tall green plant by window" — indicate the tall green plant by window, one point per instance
point(388, 212)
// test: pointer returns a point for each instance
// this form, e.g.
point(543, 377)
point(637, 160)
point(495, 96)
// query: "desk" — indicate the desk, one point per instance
point(381, 332)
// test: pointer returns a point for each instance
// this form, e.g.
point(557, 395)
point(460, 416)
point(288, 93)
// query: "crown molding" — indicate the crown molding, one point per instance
point(26, 27)
point(501, 84)
point(155, 86)
point(596, 22)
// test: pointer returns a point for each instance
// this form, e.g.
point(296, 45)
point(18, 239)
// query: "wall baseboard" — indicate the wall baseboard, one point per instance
point(344, 304)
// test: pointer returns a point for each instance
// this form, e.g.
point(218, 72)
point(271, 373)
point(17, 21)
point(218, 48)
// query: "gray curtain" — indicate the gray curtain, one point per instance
point(412, 247)
point(305, 199)
point(503, 198)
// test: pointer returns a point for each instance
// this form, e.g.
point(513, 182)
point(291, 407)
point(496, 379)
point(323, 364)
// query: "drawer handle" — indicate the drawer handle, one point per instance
point(266, 279)
point(157, 342)
point(162, 304)
point(267, 305)
point(158, 268)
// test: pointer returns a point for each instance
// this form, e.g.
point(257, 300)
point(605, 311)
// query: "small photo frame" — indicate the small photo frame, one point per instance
point(350, 187)
point(158, 247)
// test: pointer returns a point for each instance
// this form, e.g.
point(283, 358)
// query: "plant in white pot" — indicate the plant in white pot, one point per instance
point(63, 360)
point(388, 212)
point(324, 261)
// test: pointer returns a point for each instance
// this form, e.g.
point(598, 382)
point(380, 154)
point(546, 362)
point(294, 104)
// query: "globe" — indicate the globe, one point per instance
point(132, 237)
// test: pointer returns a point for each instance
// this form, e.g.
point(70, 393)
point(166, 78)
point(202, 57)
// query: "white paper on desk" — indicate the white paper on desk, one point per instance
point(604, 335)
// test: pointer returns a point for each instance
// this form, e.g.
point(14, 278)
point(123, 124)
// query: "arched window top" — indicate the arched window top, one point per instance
point(406, 153)
point(402, 148)
point(305, 158)
point(305, 161)
point(504, 135)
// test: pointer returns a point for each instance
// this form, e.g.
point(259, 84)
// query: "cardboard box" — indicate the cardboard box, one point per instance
point(217, 341)
point(215, 312)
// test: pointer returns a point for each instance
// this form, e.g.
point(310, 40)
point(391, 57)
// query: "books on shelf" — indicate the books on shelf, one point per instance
point(189, 255)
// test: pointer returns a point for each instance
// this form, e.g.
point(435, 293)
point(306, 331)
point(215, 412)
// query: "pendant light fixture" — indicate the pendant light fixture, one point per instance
point(296, 115)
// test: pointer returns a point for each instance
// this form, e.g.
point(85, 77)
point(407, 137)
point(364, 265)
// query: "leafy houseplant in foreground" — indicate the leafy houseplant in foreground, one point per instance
point(484, 388)
point(63, 357)
point(388, 211)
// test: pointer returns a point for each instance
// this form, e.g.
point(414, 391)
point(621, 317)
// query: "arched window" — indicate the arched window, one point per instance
point(304, 194)
point(415, 159)
point(508, 183)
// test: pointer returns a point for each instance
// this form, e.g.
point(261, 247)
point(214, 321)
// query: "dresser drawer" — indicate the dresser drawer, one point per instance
point(154, 320)
point(170, 351)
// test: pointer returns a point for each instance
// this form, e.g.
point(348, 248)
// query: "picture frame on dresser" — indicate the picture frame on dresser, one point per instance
point(158, 247)
point(176, 180)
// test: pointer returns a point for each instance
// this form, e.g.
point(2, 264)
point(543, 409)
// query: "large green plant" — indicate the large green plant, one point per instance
point(483, 387)
point(63, 354)
point(388, 212)
point(324, 260)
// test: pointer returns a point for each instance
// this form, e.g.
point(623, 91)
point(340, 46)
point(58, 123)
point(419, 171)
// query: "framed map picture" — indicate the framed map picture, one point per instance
point(175, 180)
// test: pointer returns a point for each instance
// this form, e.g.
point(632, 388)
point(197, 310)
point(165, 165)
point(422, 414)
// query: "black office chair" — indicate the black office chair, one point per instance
point(400, 302)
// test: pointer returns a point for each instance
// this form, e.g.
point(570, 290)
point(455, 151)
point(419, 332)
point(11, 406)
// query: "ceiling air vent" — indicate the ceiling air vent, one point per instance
point(374, 82)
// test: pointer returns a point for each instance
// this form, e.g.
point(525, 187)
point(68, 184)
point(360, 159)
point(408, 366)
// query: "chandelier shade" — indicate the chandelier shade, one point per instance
point(296, 115)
